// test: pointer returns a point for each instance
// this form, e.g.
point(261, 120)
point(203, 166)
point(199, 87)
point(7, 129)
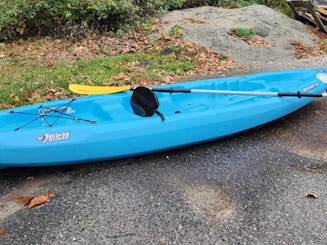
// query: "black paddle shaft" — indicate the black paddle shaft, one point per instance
point(299, 94)
point(172, 90)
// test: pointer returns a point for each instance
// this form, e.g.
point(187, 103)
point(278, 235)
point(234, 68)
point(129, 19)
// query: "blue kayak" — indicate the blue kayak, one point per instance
point(102, 127)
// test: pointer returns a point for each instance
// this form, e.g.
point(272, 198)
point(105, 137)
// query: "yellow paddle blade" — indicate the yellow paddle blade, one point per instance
point(86, 89)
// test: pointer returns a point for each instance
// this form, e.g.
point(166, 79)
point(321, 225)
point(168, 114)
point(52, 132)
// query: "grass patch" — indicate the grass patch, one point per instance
point(24, 82)
point(241, 32)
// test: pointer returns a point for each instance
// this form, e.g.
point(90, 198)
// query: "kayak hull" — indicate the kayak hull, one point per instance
point(102, 127)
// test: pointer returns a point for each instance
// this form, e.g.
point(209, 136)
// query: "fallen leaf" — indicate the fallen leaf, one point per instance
point(167, 79)
point(2, 232)
point(122, 77)
point(14, 97)
point(311, 195)
point(26, 200)
point(33, 96)
point(38, 200)
point(51, 194)
point(33, 201)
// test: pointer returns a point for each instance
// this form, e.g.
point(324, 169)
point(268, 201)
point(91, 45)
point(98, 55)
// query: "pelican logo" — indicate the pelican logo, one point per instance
point(54, 137)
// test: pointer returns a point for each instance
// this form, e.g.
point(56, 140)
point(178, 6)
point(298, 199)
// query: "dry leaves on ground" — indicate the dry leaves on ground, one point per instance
point(53, 50)
point(303, 51)
point(319, 47)
point(2, 232)
point(205, 59)
point(33, 201)
point(257, 42)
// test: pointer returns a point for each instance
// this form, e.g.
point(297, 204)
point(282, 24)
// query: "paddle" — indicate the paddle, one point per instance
point(85, 89)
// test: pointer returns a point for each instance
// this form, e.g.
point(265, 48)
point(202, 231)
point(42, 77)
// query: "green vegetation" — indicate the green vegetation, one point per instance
point(223, 56)
point(243, 32)
point(177, 31)
point(22, 18)
point(50, 17)
point(323, 46)
point(24, 82)
point(244, 3)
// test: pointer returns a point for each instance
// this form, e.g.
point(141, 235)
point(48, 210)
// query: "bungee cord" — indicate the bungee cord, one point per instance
point(46, 112)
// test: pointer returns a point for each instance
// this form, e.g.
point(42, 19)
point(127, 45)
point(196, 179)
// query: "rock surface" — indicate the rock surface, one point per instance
point(210, 27)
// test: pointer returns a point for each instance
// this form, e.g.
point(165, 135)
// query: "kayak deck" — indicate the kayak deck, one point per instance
point(95, 128)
